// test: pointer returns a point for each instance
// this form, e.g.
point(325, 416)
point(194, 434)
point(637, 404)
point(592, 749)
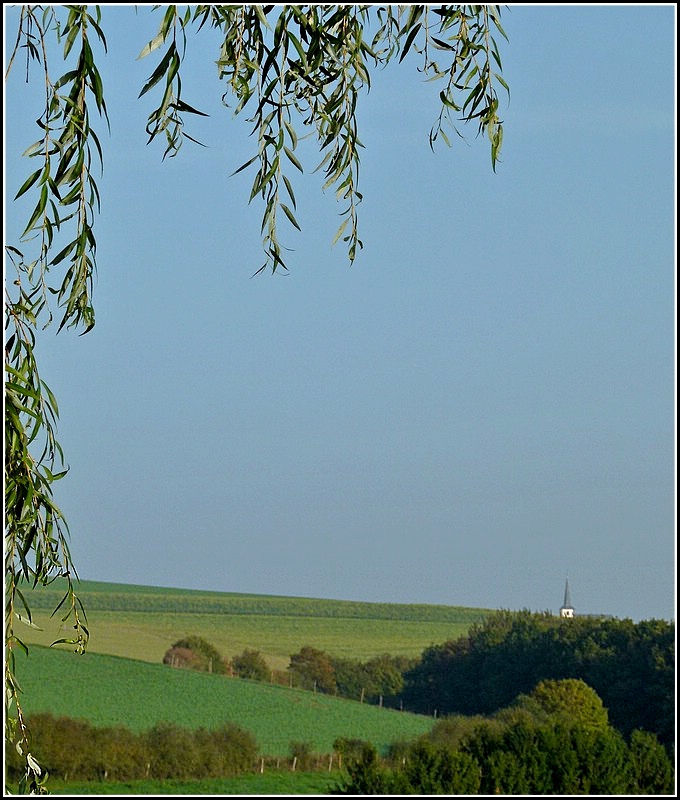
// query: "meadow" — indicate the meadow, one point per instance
point(110, 691)
point(142, 622)
point(121, 679)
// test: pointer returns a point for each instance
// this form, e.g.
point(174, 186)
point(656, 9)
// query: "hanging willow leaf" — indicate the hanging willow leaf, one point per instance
point(296, 72)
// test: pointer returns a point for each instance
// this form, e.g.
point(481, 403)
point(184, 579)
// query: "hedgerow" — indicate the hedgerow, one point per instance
point(75, 750)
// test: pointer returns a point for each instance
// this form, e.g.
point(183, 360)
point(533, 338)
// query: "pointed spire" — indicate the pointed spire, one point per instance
point(567, 609)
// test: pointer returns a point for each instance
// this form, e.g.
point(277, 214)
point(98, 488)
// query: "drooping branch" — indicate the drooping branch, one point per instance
point(294, 71)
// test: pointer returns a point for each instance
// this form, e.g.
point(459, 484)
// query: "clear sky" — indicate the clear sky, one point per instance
point(482, 405)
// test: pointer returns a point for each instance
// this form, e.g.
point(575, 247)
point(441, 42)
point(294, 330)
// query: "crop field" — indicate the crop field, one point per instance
point(109, 691)
point(143, 622)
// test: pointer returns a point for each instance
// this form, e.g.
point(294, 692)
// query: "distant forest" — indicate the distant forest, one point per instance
point(630, 665)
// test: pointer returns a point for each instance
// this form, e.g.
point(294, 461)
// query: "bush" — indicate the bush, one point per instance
point(184, 658)
point(120, 754)
point(364, 774)
point(450, 731)
point(350, 750)
point(302, 755)
point(64, 747)
point(204, 656)
point(172, 752)
point(224, 752)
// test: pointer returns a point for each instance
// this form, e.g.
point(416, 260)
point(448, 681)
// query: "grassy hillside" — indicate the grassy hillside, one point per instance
point(107, 691)
point(142, 622)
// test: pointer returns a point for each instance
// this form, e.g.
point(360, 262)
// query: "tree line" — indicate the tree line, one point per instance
point(379, 680)
point(630, 665)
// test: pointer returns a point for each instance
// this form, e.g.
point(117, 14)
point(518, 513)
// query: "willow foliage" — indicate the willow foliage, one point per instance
point(294, 71)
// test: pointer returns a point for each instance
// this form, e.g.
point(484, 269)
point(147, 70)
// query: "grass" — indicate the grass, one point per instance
point(279, 782)
point(110, 691)
point(142, 622)
point(121, 679)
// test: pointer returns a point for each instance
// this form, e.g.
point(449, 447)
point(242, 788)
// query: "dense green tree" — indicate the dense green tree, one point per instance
point(251, 664)
point(562, 759)
point(650, 768)
point(380, 679)
point(429, 769)
point(291, 69)
point(386, 675)
point(604, 765)
point(350, 677)
point(313, 670)
point(569, 699)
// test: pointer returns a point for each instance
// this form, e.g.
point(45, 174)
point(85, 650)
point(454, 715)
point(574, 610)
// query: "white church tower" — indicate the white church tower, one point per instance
point(567, 610)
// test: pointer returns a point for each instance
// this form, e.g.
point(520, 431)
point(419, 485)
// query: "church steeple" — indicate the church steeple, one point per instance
point(567, 610)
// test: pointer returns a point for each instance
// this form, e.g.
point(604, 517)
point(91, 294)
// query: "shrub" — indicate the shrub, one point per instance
point(172, 752)
point(184, 658)
point(224, 752)
point(350, 750)
point(302, 755)
point(450, 731)
point(119, 754)
point(64, 747)
point(365, 774)
point(203, 652)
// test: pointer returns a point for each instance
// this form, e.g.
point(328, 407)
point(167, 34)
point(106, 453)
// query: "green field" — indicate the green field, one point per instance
point(283, 782)
point(121, 678)
point(109, 691)
point(142, 622)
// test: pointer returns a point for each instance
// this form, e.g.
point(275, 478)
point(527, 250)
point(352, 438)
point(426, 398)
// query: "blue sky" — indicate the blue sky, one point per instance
point(482, 404)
